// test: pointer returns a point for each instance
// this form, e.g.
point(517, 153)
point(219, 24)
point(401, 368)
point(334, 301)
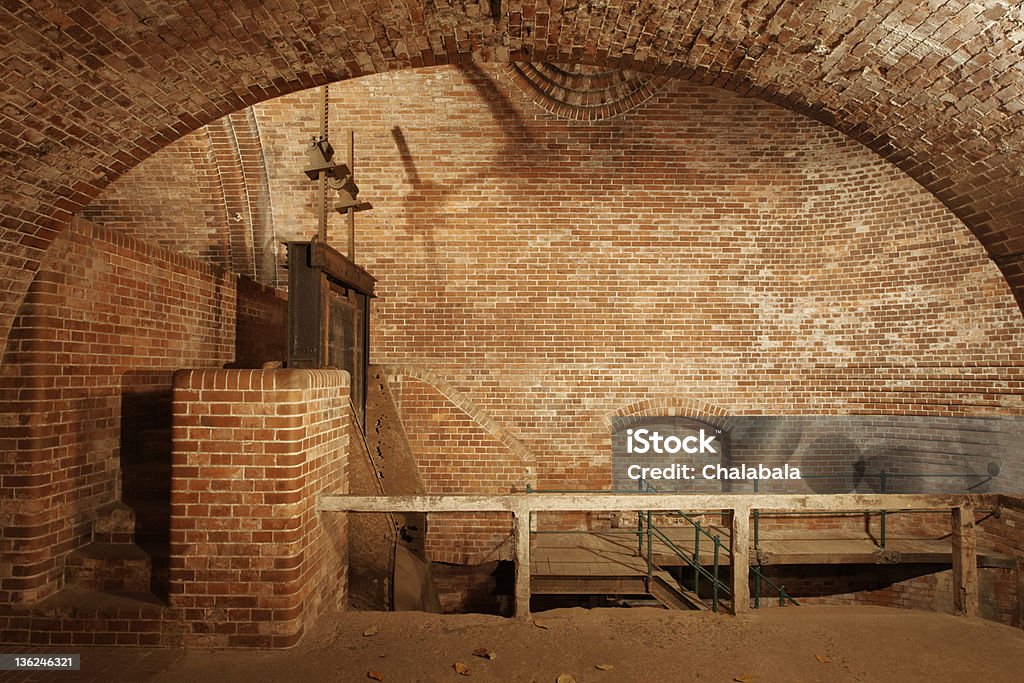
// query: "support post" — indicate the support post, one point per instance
point(965, 560)
point(521, 524)
point(1018, 616)
point(739, 550)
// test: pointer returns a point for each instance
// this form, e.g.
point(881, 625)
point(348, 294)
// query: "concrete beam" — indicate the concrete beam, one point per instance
point(965, 560)
point(739, 549)
point(521, 528)
point(568, 502)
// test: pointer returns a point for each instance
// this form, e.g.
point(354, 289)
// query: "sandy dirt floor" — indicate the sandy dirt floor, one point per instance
point(834, 644)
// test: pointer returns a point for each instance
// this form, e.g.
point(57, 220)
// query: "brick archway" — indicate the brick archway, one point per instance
point(660, 406)
point(935, 89)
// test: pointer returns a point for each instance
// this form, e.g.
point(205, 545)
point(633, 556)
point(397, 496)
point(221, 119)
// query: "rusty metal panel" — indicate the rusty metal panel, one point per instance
point(306, 314)
point(340, 269)
point(328, 315)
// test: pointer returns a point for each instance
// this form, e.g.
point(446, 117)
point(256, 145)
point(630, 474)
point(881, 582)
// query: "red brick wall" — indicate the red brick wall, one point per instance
point(262, 323)
point(175, 199)
point(252, 560)
point(85, 391)
point(920, 587)
point(456, 455)
point(703, 246)
point(94, 88)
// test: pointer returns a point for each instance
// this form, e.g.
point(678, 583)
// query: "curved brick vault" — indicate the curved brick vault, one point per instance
point(93, 89)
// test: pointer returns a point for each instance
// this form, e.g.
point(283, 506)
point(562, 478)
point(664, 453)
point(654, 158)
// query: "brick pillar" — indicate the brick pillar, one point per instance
point(252, 561)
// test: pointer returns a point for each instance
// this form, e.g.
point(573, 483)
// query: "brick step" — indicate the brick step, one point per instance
point(89, 617)
point(121, 567)
point(114, 523)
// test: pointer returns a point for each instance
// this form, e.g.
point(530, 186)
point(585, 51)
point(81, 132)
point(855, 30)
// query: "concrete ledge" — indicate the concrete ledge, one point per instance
point(567, 502)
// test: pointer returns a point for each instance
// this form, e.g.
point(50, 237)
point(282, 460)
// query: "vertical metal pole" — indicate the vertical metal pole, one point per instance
point(351, 211)
point(882, 520)
point(714, 584)
point(782, 596)
point(757, 522)
point(650, 551)
point(757, 590)
point(322, 182)
point(696, 558)
point(640, 524)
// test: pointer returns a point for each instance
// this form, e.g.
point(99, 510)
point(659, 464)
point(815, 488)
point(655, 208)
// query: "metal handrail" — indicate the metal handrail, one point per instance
point(883, 478)
point(652, 530)
point(760, 576)
point(717, 584)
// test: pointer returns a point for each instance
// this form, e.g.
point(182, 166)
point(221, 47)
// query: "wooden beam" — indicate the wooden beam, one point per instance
point(341, 269)
point(965, 560)
point(589, 585)
point(739, 548)
point(568, 502)
point(521, 525)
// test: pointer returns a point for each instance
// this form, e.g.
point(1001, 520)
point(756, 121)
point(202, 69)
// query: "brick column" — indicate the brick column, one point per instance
point(252, 561)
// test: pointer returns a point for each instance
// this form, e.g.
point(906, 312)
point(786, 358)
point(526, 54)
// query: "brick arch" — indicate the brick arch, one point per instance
point(241, 169)
point(91, 92)
point(470, 408)
point(661, 406)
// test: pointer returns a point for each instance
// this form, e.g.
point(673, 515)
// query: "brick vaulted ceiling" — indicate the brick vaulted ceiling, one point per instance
point(91, 88)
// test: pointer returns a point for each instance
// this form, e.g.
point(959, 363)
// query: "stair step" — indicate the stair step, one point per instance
point(80, 603)
point(114, 523)
point(669, 593)
point(121, 567)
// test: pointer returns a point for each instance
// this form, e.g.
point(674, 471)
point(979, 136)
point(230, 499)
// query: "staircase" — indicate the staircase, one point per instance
point(630, 563)
point(666, 590)
point(603, 564)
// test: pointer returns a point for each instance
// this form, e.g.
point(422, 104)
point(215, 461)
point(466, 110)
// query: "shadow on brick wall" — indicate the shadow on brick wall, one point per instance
point(145, 460)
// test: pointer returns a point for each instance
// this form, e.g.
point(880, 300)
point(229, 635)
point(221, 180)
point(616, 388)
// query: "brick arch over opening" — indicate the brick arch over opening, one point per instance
point(92, 91)
point(661, 406)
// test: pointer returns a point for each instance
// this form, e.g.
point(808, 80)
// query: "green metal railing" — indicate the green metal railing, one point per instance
point(717, 586)
point(648, 531)
point(883, 487)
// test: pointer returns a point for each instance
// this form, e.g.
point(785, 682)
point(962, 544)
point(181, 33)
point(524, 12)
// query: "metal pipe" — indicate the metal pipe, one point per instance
point(650, 551)
point(352, 211)
point(757, 589)
point(322, 179)
point(640, 524)
point(757, 522)
point(715, 582)
point(696, 558)
point(882, 478)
